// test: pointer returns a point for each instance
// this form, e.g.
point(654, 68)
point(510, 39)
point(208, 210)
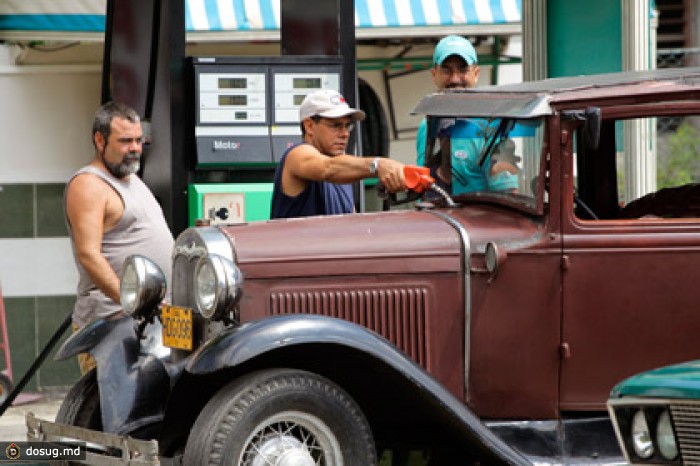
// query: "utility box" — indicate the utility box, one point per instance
point(230, 203)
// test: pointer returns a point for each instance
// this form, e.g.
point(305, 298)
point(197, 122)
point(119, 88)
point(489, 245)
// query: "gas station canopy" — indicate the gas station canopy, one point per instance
point(244, 20)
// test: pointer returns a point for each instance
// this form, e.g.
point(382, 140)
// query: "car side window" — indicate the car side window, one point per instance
point(605, 189)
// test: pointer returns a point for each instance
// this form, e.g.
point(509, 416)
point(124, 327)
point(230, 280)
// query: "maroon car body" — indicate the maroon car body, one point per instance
point(525, 307)
point(577, 305)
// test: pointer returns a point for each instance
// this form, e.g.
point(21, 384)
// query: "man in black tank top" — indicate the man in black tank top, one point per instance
point(313, 177)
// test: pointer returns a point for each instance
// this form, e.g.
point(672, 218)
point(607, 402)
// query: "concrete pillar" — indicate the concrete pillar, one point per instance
point(639, 136)
point(534, 40)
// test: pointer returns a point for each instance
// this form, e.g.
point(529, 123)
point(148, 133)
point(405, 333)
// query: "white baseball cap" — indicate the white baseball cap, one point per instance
point(328, 104)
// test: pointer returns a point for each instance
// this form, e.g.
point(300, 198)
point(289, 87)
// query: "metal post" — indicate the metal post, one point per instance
point(325, 27)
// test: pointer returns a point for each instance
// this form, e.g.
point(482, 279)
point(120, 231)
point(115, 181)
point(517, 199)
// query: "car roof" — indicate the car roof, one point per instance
point(537, 98)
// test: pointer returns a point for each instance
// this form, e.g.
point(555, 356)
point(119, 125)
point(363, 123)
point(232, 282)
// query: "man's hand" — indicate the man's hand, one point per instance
point(390, 174)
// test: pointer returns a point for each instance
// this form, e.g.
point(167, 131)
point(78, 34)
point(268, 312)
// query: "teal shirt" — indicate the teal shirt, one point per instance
point(467, 140)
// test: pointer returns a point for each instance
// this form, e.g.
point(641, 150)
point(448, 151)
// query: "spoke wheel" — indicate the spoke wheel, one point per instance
point(281, 417)
point(289, 438)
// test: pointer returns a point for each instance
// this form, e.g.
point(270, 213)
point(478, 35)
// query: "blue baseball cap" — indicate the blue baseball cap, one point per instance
point(454, 45)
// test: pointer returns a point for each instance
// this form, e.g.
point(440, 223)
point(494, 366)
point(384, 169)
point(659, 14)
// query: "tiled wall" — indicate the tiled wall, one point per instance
point(31, 323)
point(32, 210)
point(33, 213)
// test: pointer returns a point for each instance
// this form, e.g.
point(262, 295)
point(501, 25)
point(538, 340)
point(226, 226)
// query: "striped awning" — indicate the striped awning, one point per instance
point(47, 19)
point(260, 19)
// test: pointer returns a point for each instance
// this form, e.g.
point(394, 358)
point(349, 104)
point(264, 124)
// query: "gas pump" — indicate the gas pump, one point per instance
point(219, 125)
point(246, 115)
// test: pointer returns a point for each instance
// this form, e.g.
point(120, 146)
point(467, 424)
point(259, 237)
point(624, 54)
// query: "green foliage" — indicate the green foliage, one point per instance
point(680, 164)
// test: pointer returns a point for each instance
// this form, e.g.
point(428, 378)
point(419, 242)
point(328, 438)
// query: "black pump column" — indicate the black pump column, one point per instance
point(325, 27)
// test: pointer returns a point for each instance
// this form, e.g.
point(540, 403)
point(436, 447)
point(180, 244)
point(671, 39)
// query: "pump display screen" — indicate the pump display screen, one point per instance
point(233, 99)
point(306, 83)
point(298, 99)
point(232, 83)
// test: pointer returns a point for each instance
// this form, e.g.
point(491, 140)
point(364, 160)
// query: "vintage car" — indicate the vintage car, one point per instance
point(485, 328)
point(656, 415)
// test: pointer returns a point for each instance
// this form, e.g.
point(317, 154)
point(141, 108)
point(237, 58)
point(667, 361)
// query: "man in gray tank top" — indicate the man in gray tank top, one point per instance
point(112, 214)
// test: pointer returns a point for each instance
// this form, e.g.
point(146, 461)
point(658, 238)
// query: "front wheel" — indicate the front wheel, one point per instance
point(282, 417)
point(81, 406)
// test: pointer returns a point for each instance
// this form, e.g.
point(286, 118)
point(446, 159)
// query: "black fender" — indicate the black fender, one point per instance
point(133, 387)
point(391, 389)
point(83, 340)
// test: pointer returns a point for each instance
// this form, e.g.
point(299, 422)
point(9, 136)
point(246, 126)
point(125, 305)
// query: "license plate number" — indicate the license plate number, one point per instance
point(177, 327)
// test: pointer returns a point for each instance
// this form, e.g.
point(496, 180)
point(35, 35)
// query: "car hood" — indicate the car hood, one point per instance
point(676, 381)
point(403, 241)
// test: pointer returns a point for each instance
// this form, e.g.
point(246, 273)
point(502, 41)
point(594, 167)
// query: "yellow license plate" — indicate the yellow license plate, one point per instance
point(177, 327)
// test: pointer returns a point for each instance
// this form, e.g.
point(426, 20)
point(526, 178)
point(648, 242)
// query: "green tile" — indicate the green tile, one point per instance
point(51, 312)
point(49, 210)
point(20, 320)
point(17, 211)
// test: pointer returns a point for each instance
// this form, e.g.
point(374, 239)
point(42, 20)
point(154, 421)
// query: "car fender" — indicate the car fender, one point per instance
point(86, 338)
point(133, 386)
point(327, 346)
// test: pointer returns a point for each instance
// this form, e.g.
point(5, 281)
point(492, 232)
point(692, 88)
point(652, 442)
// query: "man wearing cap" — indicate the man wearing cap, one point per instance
point(314, 177)
point(455, 66)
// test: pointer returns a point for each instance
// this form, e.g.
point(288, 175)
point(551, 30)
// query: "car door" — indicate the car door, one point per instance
point(630, 280)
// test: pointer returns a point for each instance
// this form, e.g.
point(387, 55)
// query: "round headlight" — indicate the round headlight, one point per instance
point(206, 287)
point(641, 437)
point(141, 286)
point(665, 438)
point(218, 285)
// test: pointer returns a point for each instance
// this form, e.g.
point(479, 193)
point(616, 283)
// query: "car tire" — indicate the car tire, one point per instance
point(5, 388)
point(81, 406)
point(242, 424)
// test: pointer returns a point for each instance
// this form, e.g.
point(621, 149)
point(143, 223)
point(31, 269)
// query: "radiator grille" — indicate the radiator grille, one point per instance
point(182, 280)
point(686, 420)
point(396, 314)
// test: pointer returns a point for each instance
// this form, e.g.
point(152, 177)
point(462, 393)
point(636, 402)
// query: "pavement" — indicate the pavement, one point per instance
point(44, 405)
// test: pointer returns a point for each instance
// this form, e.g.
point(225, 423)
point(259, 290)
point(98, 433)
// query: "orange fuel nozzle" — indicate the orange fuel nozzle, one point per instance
point(417, 178)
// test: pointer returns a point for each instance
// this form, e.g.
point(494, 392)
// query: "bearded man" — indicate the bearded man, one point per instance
point(111, 214)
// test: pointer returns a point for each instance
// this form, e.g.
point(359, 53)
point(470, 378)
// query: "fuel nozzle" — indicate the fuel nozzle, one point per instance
point(418, 180)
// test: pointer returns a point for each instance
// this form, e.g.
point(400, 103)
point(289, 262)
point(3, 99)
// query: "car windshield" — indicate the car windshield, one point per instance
point(490, 158)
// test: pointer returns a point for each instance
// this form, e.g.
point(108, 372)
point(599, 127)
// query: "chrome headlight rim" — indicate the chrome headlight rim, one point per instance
point(218, 285)
point(142, 286)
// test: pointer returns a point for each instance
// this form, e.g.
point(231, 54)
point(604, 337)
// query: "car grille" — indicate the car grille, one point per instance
point(686, 420)
point(399, 315)
point(183, 275)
